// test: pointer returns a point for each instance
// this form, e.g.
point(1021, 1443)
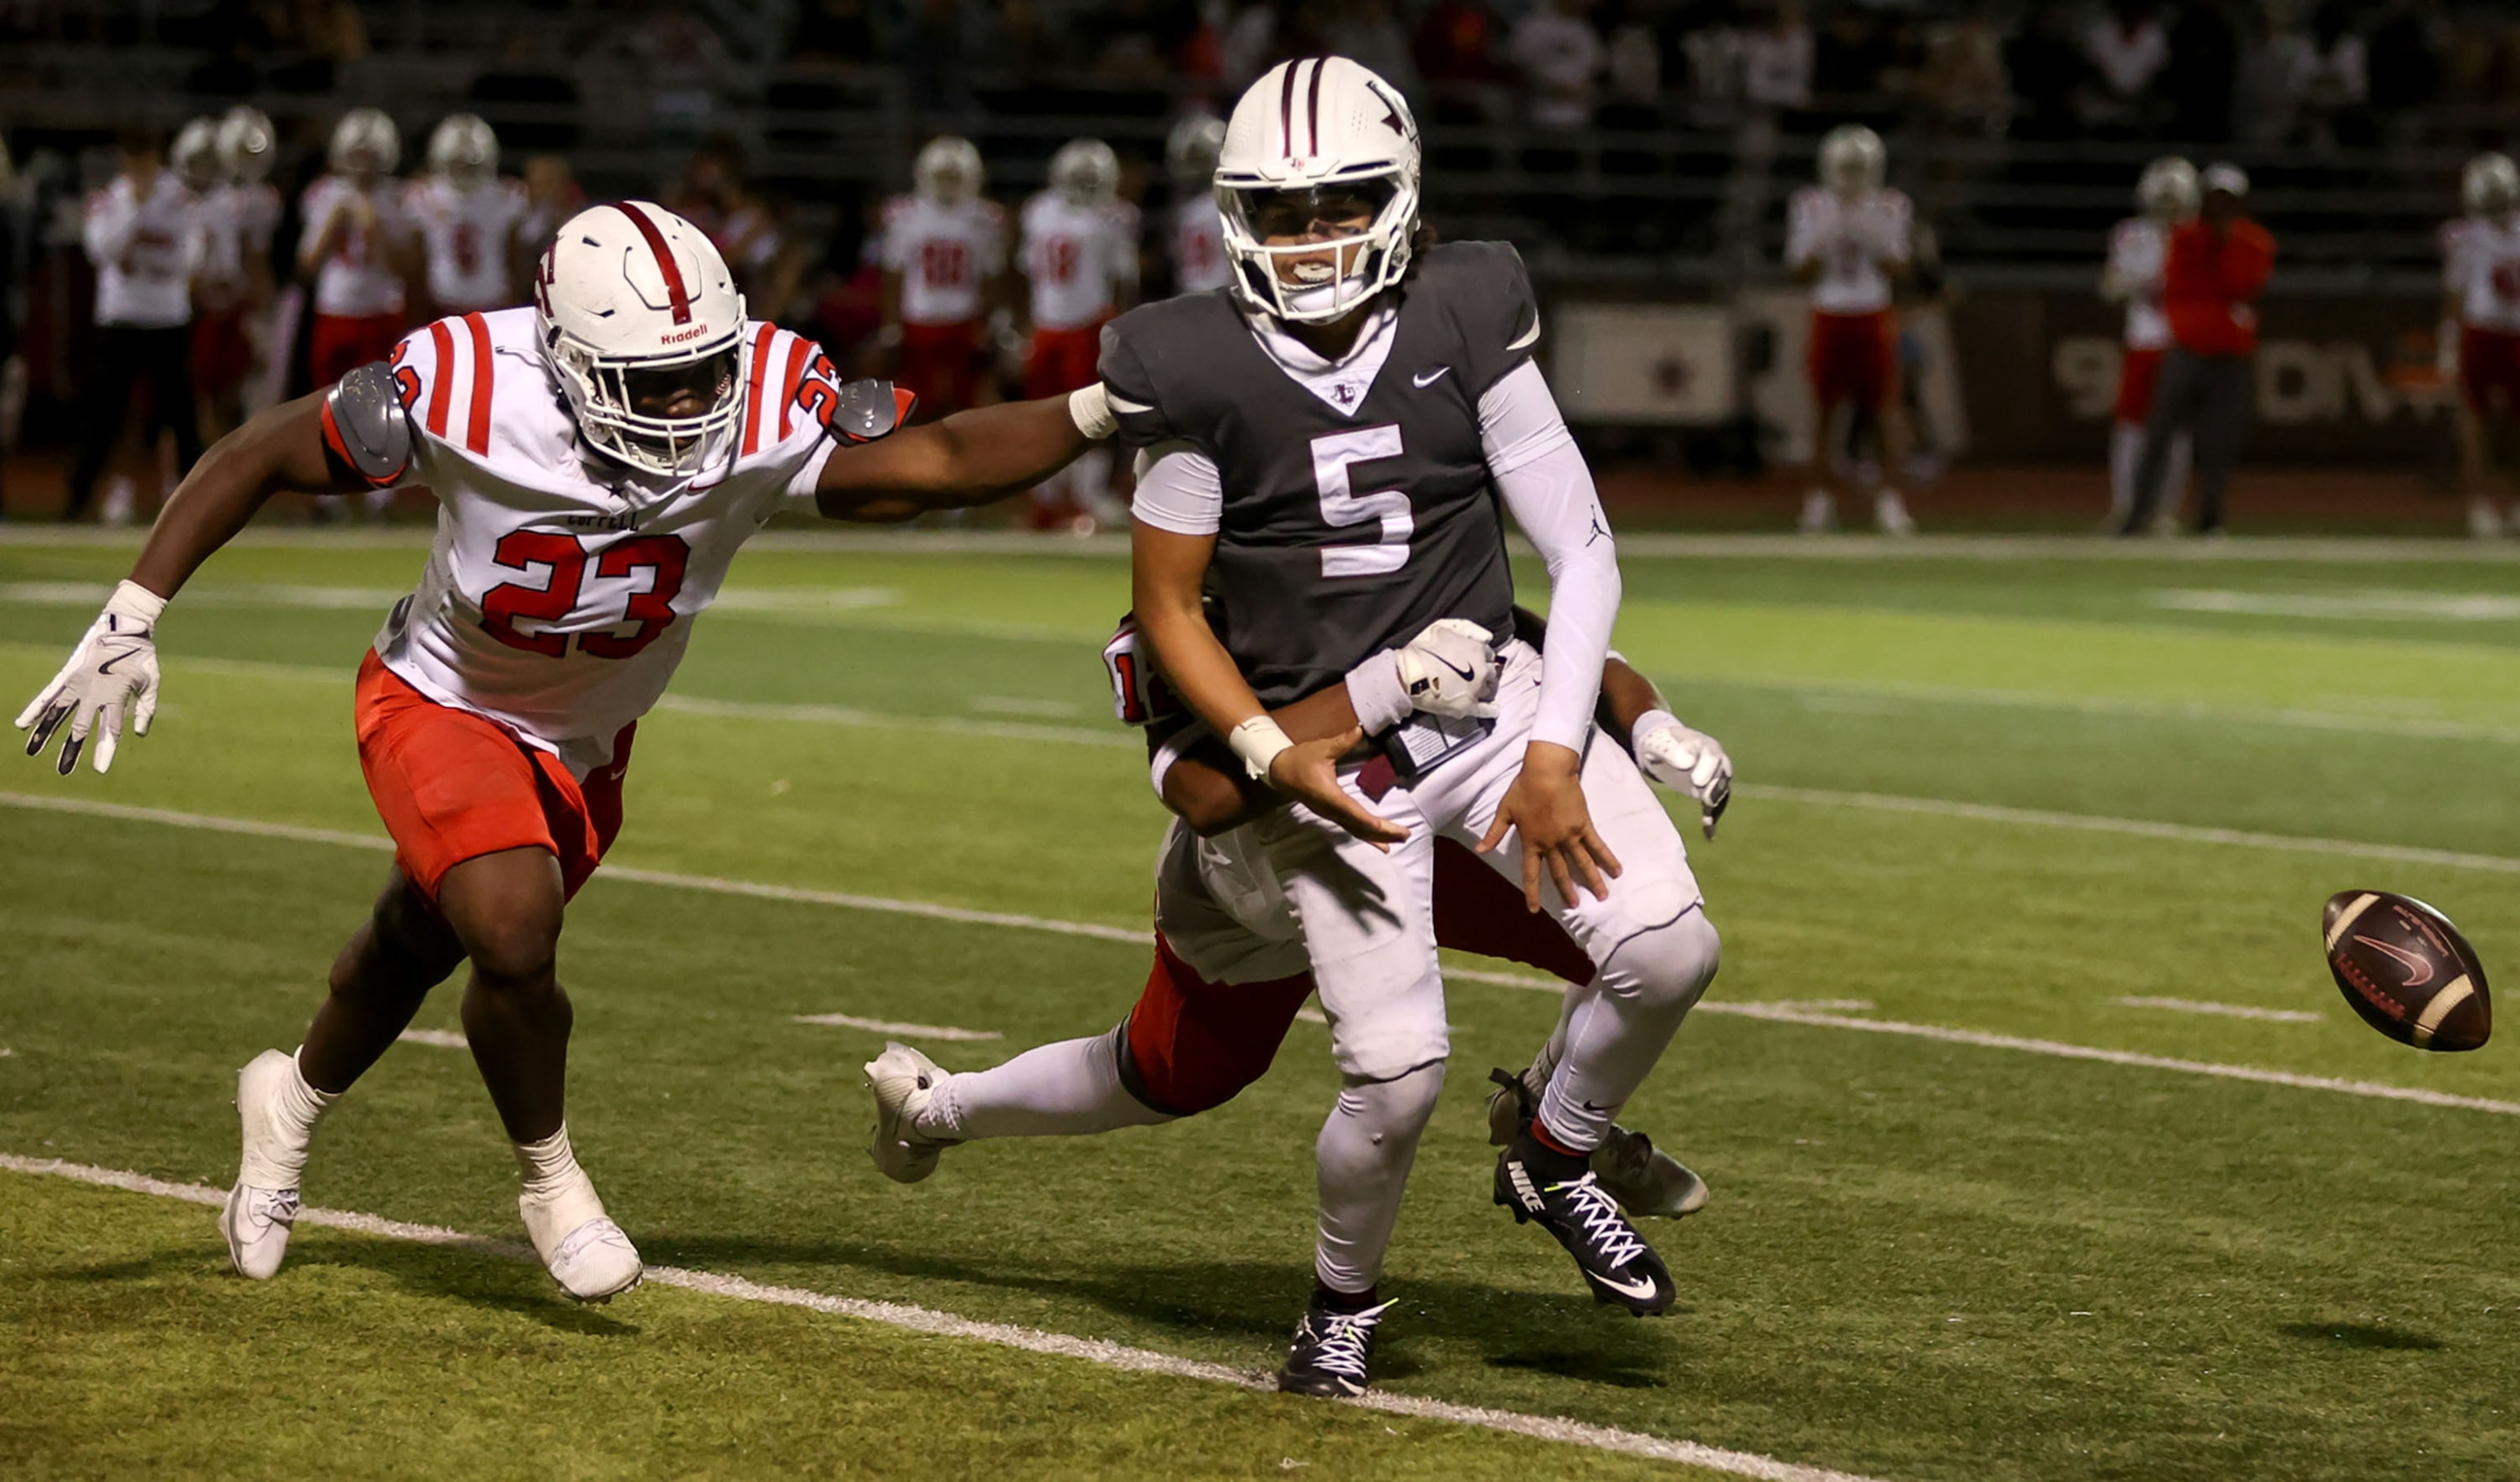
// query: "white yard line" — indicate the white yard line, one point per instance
point(902, 1031)
point(1782, 1012)
point(945, 1325)
point(2225, 1010)
point(443, 1039)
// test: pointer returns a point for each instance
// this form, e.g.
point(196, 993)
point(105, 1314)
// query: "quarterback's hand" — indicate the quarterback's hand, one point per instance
point(1685, 761)
point(1546, 807)
point(1451, 669)
point(1308, 773)
point(114, 666)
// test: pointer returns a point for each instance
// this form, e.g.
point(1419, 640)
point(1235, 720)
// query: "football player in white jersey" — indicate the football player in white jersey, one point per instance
point(233, 291)
point(944, 255)
point(1198, 232)
point(470, 220)
point(2166, 194)
point(357, 246)
point(1080, 259)
point(2479, 333)
point(597, 458)
point(251, 204)
point(1849, 238)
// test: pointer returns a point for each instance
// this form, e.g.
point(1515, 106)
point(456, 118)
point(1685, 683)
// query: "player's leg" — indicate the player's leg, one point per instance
point(1877, 387)
point(107, 397)
point(2219, 425)
point(1831, 428)
point(2176, 397)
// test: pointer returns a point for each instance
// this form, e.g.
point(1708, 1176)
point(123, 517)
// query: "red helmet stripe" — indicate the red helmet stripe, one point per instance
point(477, 436)
point(675, 290)
point(442, 376)
point(752, 398)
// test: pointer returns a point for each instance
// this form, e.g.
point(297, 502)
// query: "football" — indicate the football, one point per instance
point(2407, 971)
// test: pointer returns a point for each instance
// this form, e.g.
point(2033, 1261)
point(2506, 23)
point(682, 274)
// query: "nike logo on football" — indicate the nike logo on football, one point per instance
point(1422, 382)
point(1640, 1290)
point(2419, 971)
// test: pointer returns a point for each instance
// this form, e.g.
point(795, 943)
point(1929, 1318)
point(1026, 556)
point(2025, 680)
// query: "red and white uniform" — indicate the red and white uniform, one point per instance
point(2139, 251)
point(1076, 257)
point(146, 250)
point(468, 237)
point(2481, 269)
point(237, 223)
point(358, 295)
point(560, 591)
point(946, 256)
point(1198, 247)
point(1852, 358)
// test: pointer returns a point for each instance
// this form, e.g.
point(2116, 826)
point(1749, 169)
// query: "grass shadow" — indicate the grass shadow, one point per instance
point(2361, 1336)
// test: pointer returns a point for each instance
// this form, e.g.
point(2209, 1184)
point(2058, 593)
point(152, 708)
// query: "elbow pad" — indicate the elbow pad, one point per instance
point(867, 410)
point(366, 426)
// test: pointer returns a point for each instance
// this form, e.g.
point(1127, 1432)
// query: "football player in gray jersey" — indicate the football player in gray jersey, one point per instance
point(1333, 441)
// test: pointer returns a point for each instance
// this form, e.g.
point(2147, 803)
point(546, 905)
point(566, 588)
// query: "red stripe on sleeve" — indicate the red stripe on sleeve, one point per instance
point(752, 393)
point(477, 438)
point(333, 437)
point(676, 293)
point(791, 380)
point(440, 377)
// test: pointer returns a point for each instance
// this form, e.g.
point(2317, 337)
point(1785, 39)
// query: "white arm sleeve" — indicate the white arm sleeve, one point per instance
point(1179, 490)
point(1549, 491)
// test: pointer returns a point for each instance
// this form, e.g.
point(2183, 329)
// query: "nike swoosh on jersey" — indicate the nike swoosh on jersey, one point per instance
point(1638, 1289)
point(1120, 403)
point(1527, 338)
point(1422, 382)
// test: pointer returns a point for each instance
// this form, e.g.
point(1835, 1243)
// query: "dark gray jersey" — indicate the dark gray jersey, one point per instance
point(1354, 518)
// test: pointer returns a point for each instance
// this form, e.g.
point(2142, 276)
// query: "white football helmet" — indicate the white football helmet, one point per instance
point(1086, 172)
point(464, 150)
point(1191, 147)
point(1852, 159)
point(948, 171)
point(195, 156)
point(634, 305)
point(2489, 186)
point(365, 142)
point(2167, 191)
point(245, 144)
point(1314, 142)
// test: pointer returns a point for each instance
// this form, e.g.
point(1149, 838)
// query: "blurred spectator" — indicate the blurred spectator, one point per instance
point(1849, 58)
point(2129, 50)
point(1559, 55)
point(1776, 60)
point(326, 35)
point(1963, 79)
point(1367, 32)
point(144, 233)
point(2051, 76)
point(2405, 58)
point(2324, 79)
point(1709, 47)
point(2204, 67)
point(1456, 50)
point(1632, 64)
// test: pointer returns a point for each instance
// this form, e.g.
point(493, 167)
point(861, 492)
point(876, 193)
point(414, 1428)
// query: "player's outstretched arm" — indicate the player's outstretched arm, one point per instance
point(1634, 713)
point(115, 666)
point(969, 458)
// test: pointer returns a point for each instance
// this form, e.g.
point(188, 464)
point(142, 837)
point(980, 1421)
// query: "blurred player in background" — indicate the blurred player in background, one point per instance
point(1198, 232)
point(470, 220)
point(220, 354)
point(144, 235)
point(356, 245)
point(944, 251)
point(2479, 333)
point(232, 292)
point(2217, 266)
point(1080, 259)
point(2139, 249)
point(1849, 238)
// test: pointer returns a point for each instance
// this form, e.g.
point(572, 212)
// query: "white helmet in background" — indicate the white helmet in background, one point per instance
point(245, 144)
point(1086, 172)
point(948, 171)
point(2168, 190)
point(1852, 159)
point(635, 303)
point(1191, 147)
point(2489, 186)
point(1315, 141)
point(195, 156)
point(464, 150)
point(365, 140)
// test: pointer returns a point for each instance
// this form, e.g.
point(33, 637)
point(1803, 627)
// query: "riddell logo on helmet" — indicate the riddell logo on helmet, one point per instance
point(677, 337)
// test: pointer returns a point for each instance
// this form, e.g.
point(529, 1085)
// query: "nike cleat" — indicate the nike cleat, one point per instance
point(586, 1253)
point(903, 1081)
point(1333, 1355)
point(262, 1207)
point(257, 1223)
point(1622, 1269)
point(1647, 1182)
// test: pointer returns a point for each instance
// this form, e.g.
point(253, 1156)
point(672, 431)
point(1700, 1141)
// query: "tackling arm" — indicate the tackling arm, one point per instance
point(969, 458)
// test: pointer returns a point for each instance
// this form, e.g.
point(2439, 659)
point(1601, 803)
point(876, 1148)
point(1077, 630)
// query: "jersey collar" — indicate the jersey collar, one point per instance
point(1341, 384)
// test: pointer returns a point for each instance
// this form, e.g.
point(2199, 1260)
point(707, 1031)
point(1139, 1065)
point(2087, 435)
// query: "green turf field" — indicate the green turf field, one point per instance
point(1925, 1257)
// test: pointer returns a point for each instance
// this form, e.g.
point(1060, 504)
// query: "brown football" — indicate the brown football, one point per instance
point(2407, 971)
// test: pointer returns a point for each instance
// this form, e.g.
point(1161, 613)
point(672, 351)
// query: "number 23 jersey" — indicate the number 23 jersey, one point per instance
point(1358, 505)
point(561, 589)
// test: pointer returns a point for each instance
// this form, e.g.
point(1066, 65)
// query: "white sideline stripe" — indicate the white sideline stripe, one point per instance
point(905, 1031)
point(945, 1325)
point(1783, 1012)
point(2225, 1010)
point(443, 1039)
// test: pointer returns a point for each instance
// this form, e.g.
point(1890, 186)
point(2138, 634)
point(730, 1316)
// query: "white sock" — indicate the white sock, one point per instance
point(558, 1196)
point(1071, 1088)
point(279, 1159)
point(1363, 1156)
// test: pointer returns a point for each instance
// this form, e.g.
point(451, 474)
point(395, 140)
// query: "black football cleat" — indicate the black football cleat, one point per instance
point(1333, 1355)
point(1622, 1269)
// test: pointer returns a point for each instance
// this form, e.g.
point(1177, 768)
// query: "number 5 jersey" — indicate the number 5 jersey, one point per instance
point(561, 589)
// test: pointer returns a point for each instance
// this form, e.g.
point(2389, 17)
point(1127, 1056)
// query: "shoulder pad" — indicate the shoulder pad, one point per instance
point(865, 410)
point(366, 425)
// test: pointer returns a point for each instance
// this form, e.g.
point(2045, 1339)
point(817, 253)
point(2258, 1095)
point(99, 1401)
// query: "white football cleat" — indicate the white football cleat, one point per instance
point(263, 1205)
point(1820, 513)
point(2484, 521)
point(588, 1256)
point(903, 1081)
point(1890, 514)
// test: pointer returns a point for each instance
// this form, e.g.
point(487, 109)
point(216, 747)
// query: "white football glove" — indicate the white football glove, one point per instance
point(1451, 668)
point(114, 665)
point(1685, 761)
